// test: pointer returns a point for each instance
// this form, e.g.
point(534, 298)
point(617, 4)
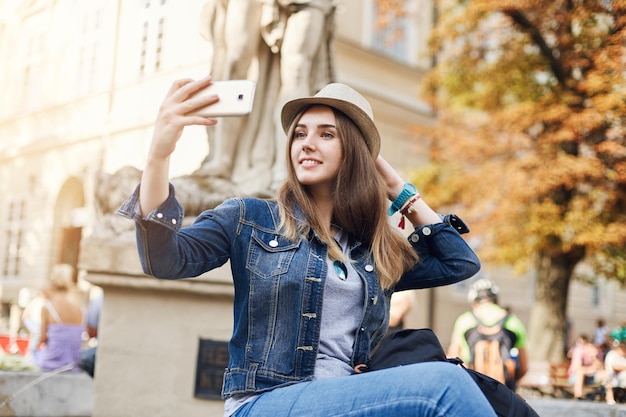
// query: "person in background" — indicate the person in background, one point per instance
point(401, 305)
point(615, 368)
point(88, 355)
point(618, 333)
point(585, 366)
point(31, 319)
point(601, 337)
point(313, 269)
point(486, 312)
point(61, 324)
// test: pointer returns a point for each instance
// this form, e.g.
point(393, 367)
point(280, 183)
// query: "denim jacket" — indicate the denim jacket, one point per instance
point(279, 284)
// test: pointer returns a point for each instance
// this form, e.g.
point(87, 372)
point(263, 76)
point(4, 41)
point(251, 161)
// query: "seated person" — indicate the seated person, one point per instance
point(615, 367)
point(586, 366)
point(61, 324)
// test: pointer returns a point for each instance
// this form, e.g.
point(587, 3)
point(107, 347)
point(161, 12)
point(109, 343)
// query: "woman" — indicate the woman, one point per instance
point(313, 270)
point(61, 324)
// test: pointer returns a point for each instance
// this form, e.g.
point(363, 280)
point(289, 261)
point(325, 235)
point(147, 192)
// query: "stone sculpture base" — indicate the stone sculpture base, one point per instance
point(149, 333)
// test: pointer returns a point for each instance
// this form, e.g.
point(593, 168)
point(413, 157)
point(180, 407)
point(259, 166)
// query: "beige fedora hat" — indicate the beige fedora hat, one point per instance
point(344, 99)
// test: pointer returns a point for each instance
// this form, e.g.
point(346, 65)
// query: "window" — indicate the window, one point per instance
point(402, 34)
point(13, 252)
point(152, 36)
point(89, 48)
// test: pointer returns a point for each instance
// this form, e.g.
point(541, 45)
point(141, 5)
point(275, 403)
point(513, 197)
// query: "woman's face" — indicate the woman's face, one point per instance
point(316, 149)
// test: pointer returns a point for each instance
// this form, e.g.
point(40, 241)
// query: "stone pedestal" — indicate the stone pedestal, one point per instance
point(149, 333)
point(38, 394)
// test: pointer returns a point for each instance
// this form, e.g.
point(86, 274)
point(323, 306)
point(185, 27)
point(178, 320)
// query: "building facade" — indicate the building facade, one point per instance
point(82, 82)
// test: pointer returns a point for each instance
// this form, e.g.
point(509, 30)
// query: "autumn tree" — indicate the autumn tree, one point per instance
point(530, 98)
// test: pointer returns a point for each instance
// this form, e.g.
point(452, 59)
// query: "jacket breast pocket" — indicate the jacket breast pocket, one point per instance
point(270, 254)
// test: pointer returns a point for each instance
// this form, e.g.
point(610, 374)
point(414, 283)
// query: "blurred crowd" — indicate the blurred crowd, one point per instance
point(599, 362)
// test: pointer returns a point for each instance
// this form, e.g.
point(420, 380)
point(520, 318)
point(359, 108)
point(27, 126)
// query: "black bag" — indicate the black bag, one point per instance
point(404, 347)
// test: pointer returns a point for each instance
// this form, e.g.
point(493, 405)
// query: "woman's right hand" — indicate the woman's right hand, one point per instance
point(173, 115)
point(172, 118)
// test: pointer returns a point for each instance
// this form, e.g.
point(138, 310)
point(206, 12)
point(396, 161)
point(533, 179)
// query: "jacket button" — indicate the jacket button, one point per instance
point(273, 243)
point(369, 268)
point(414, 238)
point(426, 231)
point(159, 215)
point(174, 221)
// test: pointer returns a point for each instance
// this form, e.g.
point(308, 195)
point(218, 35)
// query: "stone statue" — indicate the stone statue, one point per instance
point(286, 47)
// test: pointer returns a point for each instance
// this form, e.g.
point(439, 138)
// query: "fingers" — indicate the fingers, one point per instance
point(186, 96)
point(176, 85)
point(180, 101)
point(389, 174)
point(173, 118)
point(391, 177)
point(182, 89)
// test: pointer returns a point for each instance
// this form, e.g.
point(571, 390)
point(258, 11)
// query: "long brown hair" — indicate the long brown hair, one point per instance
point(359, 206)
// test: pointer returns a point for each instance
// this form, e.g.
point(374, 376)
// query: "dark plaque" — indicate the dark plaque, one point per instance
point(212, 360)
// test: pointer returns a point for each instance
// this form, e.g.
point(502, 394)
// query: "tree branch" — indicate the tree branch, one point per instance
point(522, 21)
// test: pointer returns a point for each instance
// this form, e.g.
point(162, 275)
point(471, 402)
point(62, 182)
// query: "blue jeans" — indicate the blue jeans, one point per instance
point(430, 389)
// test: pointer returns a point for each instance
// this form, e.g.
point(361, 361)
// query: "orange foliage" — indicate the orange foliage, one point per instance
point(534, 155)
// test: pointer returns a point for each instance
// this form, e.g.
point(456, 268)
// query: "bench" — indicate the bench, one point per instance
point(546, 379)
point(562, 387)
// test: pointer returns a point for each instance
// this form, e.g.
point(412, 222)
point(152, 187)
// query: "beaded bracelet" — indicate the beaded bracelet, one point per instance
point(408, 208)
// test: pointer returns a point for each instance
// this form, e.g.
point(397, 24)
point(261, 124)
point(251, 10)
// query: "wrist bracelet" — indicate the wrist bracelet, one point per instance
point(407, 192)
point(408, 208)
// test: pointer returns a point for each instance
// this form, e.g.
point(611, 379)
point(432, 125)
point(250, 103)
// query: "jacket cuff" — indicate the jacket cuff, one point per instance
point(169, 214)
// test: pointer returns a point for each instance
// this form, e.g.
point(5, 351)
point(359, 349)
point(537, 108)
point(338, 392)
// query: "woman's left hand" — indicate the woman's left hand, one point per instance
point(423, 214)
point(392, 179)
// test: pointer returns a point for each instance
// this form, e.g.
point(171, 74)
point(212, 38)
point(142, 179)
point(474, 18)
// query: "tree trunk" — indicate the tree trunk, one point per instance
point(546, 330)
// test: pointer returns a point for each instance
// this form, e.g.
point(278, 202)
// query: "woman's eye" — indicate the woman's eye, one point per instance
point(328, 135)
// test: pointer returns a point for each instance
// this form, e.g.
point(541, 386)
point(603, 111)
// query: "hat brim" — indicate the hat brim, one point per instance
point(361, 119)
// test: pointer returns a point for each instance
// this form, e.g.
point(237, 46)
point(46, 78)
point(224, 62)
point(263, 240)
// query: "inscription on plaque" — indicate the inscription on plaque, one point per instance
point(212, 360)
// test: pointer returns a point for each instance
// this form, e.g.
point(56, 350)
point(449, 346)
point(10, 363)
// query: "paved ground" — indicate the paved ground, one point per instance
point(557, 407)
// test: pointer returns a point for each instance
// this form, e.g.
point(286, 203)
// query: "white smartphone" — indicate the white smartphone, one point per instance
point(236, 98)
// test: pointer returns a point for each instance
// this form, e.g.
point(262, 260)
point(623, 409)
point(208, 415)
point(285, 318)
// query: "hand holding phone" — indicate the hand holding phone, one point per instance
point(235, 98)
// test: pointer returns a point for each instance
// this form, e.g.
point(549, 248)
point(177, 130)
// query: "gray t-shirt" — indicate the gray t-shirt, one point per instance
point(341, 315)
point(342, 309)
